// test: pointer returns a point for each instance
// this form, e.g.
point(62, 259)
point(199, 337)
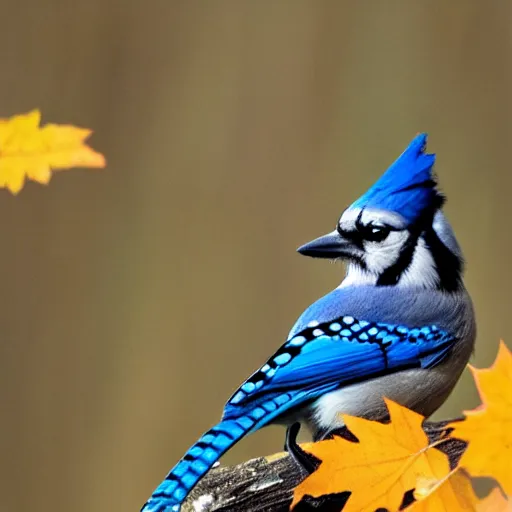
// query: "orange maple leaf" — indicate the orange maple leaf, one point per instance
point(388, 461)
point(454, 493)
point(488, 428)
point(30, 151)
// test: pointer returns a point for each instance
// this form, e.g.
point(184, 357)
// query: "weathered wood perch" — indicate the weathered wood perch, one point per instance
point(266, 484)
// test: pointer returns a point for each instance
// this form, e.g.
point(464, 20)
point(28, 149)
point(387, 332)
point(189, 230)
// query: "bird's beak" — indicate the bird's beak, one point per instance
point(331, 246)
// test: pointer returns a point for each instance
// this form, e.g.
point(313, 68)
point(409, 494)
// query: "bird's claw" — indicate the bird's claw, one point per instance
point(303, 459)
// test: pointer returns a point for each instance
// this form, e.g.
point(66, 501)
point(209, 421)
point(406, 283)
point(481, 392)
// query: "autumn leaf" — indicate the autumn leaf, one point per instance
point(388, 461)
point(488, 428)
point(30, 151)
point(451, 494)
point(495, 502)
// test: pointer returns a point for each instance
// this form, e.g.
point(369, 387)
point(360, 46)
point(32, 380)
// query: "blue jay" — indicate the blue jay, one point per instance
point(400, 325)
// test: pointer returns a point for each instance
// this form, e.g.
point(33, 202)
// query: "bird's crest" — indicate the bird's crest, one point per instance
point(408, 187)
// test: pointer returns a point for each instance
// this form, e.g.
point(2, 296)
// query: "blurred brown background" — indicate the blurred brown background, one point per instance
point(135, 299)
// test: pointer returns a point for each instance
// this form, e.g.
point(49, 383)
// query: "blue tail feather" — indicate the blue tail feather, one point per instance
point(196, 463)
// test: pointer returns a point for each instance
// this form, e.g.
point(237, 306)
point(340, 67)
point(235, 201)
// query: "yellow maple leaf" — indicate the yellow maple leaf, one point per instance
point(495, 501)
point(488, 428)
point(454, 493)
point(388, 461)
point(30, 151)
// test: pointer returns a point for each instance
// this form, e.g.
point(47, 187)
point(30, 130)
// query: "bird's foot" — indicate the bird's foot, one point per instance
point(307, 462)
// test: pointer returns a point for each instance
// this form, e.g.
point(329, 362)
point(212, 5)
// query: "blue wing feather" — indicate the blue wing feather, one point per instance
point(327, 356)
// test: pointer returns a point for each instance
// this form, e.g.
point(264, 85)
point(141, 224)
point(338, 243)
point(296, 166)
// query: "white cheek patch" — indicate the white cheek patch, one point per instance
point(379, 256)
point(422, 270)
point(356, 276)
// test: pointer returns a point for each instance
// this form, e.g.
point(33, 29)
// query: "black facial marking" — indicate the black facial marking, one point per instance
point(371, 232)
point(448, 265)
point(375, 232)
point(392, 274)
point(357, 241)
point(353, 235)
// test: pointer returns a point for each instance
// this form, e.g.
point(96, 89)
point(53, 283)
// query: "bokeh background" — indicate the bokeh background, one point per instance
point(136, 298)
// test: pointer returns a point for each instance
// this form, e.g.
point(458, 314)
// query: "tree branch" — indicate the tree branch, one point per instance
point(266, 484)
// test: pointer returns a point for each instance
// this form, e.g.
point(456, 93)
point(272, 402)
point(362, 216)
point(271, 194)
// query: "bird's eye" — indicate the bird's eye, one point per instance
point(374, 232)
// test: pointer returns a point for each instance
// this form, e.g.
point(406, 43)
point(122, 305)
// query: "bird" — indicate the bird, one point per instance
point(401, 325)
